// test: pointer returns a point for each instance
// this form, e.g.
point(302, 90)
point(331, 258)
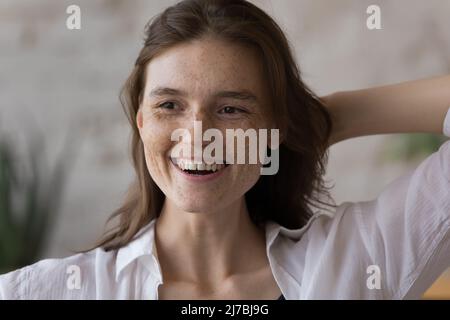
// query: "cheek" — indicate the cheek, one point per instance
point(249, 148)
point(155, 134)
point(245, 177)
point(156, 141)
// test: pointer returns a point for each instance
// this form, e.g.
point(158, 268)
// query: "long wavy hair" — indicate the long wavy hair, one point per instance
point(289, 197)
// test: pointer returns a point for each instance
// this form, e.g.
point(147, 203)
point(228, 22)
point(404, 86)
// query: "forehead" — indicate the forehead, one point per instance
point(207, 65)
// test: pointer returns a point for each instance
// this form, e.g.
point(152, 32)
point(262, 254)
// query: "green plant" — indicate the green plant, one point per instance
point(407, 147)
point(29, 201)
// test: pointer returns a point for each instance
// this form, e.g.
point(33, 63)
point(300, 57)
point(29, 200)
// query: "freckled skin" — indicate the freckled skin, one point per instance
point(201, 68)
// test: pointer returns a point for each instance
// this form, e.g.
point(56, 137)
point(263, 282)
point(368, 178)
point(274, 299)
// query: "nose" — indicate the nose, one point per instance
point(199, 116)
point(200, 120)
point(204, 117)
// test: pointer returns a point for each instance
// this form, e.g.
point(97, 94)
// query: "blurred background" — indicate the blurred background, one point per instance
point(64, 163)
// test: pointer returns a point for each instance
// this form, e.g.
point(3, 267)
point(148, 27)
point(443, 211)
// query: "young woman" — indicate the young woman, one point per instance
point(224, 231)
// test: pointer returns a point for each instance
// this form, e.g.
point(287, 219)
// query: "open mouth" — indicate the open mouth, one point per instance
point(195, 169)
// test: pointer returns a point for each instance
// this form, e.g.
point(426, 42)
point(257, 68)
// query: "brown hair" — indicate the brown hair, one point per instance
point(290, 196)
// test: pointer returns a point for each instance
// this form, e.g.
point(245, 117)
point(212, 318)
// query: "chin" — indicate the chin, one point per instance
point(199, 204)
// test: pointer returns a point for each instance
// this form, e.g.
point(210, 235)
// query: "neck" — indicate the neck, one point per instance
point(208, 246)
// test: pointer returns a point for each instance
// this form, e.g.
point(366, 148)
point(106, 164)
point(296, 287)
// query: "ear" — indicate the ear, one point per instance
point(279, 140)
point(139, 120)
point(281, 134)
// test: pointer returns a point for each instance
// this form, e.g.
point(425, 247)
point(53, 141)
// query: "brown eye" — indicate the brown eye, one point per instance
point(169, 105)
point(230, 110)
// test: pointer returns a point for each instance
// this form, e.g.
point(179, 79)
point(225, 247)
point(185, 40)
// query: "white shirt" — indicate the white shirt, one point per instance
point(392, 247)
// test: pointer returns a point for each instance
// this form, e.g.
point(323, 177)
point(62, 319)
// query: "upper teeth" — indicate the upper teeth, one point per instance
point(190, 165)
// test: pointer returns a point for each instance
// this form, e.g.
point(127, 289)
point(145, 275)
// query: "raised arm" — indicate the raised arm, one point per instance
point(413, 106)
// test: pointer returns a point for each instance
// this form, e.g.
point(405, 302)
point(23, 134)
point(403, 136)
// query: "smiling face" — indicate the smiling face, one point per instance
point(212, 81)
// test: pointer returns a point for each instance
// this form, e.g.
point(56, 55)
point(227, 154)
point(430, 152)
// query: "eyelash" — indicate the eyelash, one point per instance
point(240, 110)
point(163, 103)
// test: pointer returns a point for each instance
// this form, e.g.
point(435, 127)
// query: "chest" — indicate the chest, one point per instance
point(249, 287)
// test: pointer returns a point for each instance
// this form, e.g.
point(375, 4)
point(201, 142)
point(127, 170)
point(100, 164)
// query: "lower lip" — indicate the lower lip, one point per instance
point(200, 178)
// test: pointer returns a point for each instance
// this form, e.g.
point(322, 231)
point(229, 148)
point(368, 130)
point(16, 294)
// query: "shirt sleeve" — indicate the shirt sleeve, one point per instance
point(3, 289)
point(11, 284)
point(406, 230)
point(49, 279)
point(31, 282)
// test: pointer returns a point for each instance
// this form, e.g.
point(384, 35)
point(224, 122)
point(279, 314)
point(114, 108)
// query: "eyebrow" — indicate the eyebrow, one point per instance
point(244, 95)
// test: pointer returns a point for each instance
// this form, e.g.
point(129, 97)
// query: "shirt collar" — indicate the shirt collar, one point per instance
point(143, 244)
point(273, 229)
point(290, 286)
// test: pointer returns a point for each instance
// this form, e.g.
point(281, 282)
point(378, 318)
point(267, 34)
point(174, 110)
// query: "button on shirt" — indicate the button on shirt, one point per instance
point(392, 247)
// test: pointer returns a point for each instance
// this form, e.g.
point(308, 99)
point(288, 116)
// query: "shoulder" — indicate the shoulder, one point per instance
point(73, 277)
